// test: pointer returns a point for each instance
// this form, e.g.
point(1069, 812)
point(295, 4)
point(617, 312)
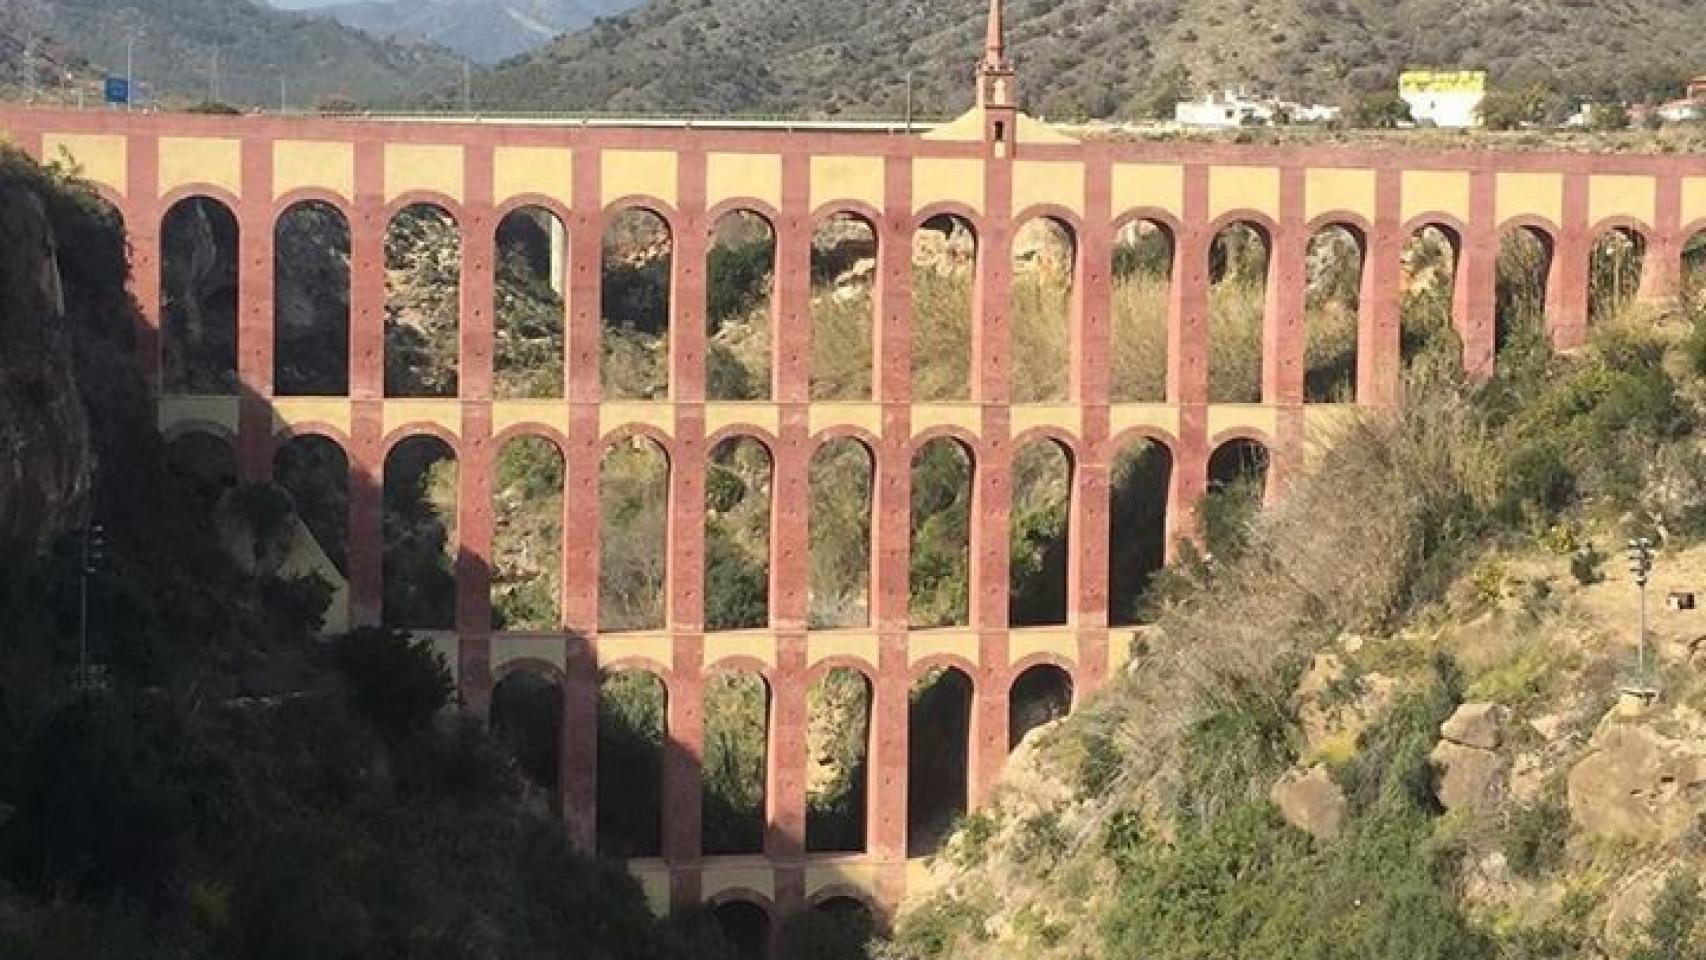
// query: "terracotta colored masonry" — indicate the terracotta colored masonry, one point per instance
point(1091, 427)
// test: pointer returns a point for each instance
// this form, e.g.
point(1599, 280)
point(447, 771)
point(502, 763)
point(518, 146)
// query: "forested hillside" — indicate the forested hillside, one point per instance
point(486, 32)
point(1097, 58)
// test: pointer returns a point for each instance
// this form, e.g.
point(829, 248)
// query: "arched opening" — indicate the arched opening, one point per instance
point(844, 280)
point(423, 302)
point(839, 928)
point(1045, 267)
point(940, 576)
point(740, 279)
point(1237, 486)
point(639, 256)
point(420, 543)
point(633, 529)
point(527, 536)
point(204, 465)
point(1524, 267)
point(311, 284)
point(532, 263)
point(632, 725)
point(838, 741)
point(1142, 307)
point(738, 478)
point(527, 718)
point(840, 534)
point(1140, 483)
point(1040, 695)
point(1694, 267)
point(1614, 274)
point(746, 927)
point(938, 752)
point(1238, 265)
point(315, 472)
point(737, 747)
point(1430, 292)
point(944, 280)
point(1039, 535)
point(1332, 309)
point(198, 297)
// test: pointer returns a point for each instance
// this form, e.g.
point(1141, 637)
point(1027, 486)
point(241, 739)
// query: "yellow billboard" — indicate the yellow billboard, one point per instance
point(1443, 81)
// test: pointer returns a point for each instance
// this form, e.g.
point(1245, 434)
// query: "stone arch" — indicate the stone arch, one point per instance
point(1144, 254)
point(314, 470)
point(1140, 484)
point(633, 499)
point(745, 921)
point(1427, 311)
point(945, 250)
point(527, 717)
point(419, 520)
point(311, 300)
point(840, 916)
point(1694, 260)
point(1045, 267)
point(1039, 694)
point(527, 533)
point(939, 724)
point(423, 301)
point(943, 486)
point(1525, 267)
point(1615, 265)
point(1237, 487)
point(740, 476)
point(841, 481)
point(1335, 293)
point(838, 759)
point(736, 707)
point(845, 266)
point(636, 283)
point(199, 257)
point(203, 461)
point(633, 736)
point(530, 283)
point(1039, 538)
point(1241, 277)
point(740, 308)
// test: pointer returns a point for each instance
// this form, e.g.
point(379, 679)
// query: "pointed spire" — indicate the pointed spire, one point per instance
point(995, 43)
point(995, 73)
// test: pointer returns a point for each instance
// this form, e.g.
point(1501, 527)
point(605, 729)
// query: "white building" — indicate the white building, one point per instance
point(1235, 108)
point(1444, 98)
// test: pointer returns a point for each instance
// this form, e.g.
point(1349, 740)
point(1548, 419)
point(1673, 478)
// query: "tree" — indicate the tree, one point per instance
point(1380, 111)
point(1510, 109)
point(1608, 116)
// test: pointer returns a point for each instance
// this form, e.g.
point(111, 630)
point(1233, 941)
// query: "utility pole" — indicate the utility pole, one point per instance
point(213, 82)
point(467, 87)
point(282, 108)
point(909, 101)
point(130, 72)
point(1641, 568)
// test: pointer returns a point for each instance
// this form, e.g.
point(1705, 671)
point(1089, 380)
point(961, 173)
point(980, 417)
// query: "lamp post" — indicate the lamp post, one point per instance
point(130, 71)
point(94, 552)
point(1641, 568)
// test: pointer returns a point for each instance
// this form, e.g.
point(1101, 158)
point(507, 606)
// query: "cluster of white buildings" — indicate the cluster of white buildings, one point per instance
point(1235, 108)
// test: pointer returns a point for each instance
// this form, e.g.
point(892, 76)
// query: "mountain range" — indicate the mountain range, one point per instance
point(483, 31)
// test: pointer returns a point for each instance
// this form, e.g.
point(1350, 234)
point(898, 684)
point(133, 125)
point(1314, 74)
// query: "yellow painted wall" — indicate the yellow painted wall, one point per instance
point(219, 411)
point(653, 647)
point(445, 414)
point(842, 873)
point(100, 157)
point(1633, 197)
point(821, 645)
point(302, 164)
point(293, 411)
point(1129, 416)
point(1228, 417)
point(1138, 185)
point(1059, 416)
point(1022, 643)
point(1531, 195)
point(759, 645)
point(508, 649)
point(930, 416)
point(1693, 200)
point(866, 416)
point(198, 161)
point(1243, 188)
point(1058, 182)
point(947, 181)
point(921, 645)
point(1340, 191)
point(733, 176)
point(847, 178)
point(551, 413)
point(546, 171)
point(648, 173)
point(721, 877)
point(427, 167)
point(660, 416)
point(1436, 191)
point(720, 416)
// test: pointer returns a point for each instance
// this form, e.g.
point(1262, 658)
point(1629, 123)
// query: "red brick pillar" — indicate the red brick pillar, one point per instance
point(1476, 300)
point(1661, 266)
point(475, 464)
point(687, 296)
point(1087, 574)
point(1567, 278)
point(577, 764)
point(790, 333)
point(255, 314)
point(142, 225)
point(785, 786)
point(366, 498)
point(1187, 360)
point(683, 757)
point(367, 385)
point(479, 257)
point(1380, 322)
point(1284, 337)
point(585, 281)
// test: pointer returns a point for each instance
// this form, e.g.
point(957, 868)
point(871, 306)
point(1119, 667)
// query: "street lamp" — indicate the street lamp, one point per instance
point(1641, 568)
point(94, 553)
point(130, 70)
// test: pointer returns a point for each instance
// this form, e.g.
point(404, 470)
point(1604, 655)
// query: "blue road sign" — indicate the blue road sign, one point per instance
point(118, 90)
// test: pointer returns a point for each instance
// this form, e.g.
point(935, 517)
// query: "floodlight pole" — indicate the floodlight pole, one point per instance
point(1641, 568)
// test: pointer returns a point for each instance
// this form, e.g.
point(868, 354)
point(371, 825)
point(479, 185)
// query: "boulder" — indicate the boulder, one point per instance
point(1470, 777)
point(1639, 784)
point(1478, 725)
point(1310, 801)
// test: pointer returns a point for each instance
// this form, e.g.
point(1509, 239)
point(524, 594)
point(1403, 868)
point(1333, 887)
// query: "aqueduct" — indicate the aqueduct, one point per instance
point(995, 170)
